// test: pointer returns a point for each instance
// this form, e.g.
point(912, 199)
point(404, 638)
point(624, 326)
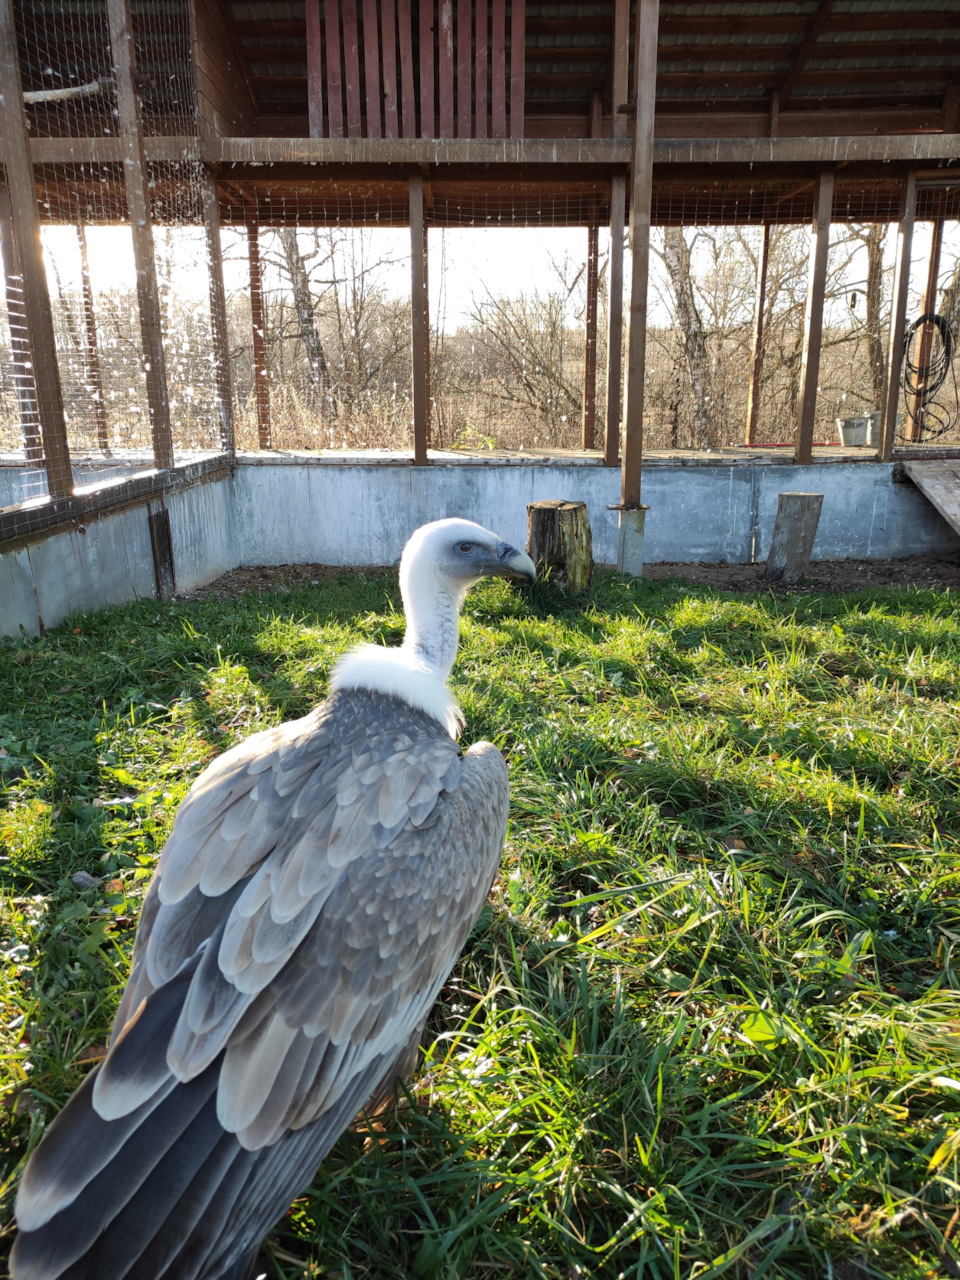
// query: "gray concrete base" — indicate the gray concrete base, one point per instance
point(630, 542)
point(288, 509)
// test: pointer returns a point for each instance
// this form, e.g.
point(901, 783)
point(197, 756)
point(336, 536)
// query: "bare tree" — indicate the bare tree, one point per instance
point(307, 320)
point(693, 337)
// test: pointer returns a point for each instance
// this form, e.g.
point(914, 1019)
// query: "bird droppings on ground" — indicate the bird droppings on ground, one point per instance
point(940, 571)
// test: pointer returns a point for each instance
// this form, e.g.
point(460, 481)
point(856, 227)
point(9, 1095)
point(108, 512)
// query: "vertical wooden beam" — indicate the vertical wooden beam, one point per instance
point(482, 59)
point(351, 66)
point(611, 436)
point(223, 382)
point(464, 68)
point(446, 68)
point(620, 91)
point(135, 178)
point(314, 69)
point(331, 17)
point(371, 67)
point(898, 313)
point(518, 55)
point(388, 24)
point(913, 424)
point(756, 366)
point(641, 189)
point(813, 315)
point(261, 383)
point(92, 361)
point(19, 344)
point(589, 415)
point(498, 70)
point(419, 308)
point(427, 397)
point(428, 125)
point(25, 219)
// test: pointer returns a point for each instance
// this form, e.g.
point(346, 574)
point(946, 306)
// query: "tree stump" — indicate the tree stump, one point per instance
point(798, 515)
point(559, 541)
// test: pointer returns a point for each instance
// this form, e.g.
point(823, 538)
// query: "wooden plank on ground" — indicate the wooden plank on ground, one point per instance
point(939, 482)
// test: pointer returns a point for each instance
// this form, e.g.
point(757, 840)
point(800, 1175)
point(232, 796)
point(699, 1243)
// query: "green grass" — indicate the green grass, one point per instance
point(709, 1023)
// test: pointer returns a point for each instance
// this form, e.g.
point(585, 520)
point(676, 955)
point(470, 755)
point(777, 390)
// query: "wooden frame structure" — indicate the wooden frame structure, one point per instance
point(351, 114)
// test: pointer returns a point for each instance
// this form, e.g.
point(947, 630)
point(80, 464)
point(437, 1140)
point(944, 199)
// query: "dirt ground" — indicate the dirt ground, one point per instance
point(941, 571)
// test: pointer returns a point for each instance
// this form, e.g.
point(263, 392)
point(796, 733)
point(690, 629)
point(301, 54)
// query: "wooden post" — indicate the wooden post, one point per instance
point(913, 424)
point(19, 345)
point(611, 435)
point(419, 318)
point(25, 220)
point(558, 537)
point(261, 384)
point(314, 69)
point(518, 53)
point(753, 394)
point(798, 515)
point(92, 361)
point(813, 315)
point(898, 313)
point(218, 313)
point(427, 397)
point(138, 210)
point(641, 189)
point(589, 415)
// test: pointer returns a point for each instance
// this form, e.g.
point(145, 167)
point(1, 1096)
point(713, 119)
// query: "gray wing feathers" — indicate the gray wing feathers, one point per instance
point(326, 889)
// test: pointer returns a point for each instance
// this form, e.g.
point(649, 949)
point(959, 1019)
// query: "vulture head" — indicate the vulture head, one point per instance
point(439, 564)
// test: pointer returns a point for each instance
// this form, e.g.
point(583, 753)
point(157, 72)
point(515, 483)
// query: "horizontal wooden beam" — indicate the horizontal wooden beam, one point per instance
point(916, 148)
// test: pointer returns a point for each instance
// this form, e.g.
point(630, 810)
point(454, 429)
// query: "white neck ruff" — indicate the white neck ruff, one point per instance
point(398, 673)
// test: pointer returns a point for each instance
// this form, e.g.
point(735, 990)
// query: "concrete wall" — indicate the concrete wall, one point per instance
point(354, 514)
point(348, 512)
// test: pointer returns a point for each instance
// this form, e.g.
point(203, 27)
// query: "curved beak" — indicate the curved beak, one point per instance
point(511, 563)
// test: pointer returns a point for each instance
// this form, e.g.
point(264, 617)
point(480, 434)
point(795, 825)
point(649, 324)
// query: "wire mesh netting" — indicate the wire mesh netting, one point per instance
point(317, 315)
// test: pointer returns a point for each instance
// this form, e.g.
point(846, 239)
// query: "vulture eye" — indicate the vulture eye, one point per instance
point(465, 547)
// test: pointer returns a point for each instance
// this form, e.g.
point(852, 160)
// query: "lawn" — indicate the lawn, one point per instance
point(709, 1023)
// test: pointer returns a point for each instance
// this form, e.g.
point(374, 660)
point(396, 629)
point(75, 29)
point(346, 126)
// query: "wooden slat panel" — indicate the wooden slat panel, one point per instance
point(314, 69)
point(224, 99)
point(388, 23)
point(465, 69)
point(331, 15)
point(517, 66)
point(813, 316)
point(620, 88)
point(482, 59)
point(446, 68)
point(498, 71)
point(939, 482)
point(351, 66)
point(371, 66)
point(428, 128)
